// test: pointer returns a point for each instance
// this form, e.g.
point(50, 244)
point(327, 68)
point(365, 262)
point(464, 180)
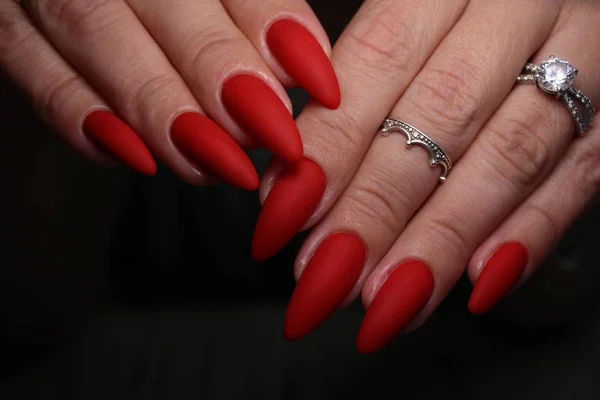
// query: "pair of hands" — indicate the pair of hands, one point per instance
point(382, 225)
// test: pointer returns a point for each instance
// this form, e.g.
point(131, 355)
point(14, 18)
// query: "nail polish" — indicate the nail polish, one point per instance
point(303, 58)
point(326, 281)
point(211, 148)
point(262, 115)
point(116, 137)
point(402, 297)
point(289, 205)
point(499, 275)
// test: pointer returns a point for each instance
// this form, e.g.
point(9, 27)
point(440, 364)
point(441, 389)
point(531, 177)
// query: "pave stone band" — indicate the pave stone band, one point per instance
point(555, 77)
point(413, 135)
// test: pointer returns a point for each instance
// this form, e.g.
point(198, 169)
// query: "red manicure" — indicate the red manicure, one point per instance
point(211, 148)
point(500, 274)
point(115, 136)
point(291, 202)
point(303, 58)
point(325, 282)
point(262, 114)
point(401, 298)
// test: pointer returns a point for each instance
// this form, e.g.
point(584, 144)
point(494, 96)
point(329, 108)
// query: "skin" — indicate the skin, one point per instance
point(129, 58)
point(518, 176)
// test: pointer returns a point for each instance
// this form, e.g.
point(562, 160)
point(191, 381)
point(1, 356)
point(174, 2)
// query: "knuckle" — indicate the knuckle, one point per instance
point(208, 44)
point(159, 89)
point(373, 205)
point(385, 41)
point(448, 97)
point(520, 153)
point(378, 197)
point(15, 31)
point(51, 103)
point(452, 231)
point(78, 18)
point(340, 131)
point(585, 174)
point(545, 220)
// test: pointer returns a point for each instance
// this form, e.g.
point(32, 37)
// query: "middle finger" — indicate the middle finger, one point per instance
point(451, 98)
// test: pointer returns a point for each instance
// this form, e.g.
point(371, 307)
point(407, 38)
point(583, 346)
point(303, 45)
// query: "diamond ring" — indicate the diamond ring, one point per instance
point(413, 135)
point(555, 77)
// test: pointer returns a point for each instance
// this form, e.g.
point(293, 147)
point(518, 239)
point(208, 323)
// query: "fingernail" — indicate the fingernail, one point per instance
point(115, 136)
point(303, 58)
point(289, 205)
point(262, 115)
point(499, 275)
point(211, 148)
point(326, 281)
point(401, 298)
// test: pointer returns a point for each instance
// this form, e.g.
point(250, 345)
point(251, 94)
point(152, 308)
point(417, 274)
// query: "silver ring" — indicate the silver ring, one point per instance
point(555, 77)
point(413, 135)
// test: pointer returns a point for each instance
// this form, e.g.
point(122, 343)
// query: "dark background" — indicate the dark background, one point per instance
point(116, 285)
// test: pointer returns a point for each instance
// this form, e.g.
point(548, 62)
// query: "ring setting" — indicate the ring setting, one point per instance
point(556, 76)
point(415, 136)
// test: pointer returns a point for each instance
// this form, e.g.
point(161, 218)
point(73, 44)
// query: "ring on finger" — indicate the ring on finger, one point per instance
point(414, 135)
point(556, 76)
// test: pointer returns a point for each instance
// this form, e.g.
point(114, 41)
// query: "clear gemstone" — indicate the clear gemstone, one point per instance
point(556, 75)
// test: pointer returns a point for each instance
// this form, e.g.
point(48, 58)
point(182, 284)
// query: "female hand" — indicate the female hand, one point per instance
point(123, 79)
point(382, 223)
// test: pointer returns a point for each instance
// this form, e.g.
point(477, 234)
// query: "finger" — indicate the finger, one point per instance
point(376, 57)
point(63, 98)
point(521, 243)
point(451, 97)
point(224, 71)
point(508, 160)
point(108, 45)
point(290, 38)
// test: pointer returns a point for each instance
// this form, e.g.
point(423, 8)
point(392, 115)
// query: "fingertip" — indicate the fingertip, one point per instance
point(499, 275)
point(148, 166)
point(304, 59)
point(475, 305)
point(251, 182)
point(113, 135)
point(332, 97)
point(259, 250)
point(292, 332)
point(262, 114)
point(291, 202)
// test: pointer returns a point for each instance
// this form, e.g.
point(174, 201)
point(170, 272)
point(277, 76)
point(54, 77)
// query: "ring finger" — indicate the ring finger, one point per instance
point(510, 158)
point(451, 98)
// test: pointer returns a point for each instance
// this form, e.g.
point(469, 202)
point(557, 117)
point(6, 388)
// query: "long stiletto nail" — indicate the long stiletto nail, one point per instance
point(304, 59)
point(499, 275)
point(289, 205)
point(401, 298)
point(116, 137)
point(262, 115)
point(211, 148)
point(325, 282)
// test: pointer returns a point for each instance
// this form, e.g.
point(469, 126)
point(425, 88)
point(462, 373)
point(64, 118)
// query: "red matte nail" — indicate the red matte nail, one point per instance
point(289, 205)
point(401, 298)
point(262, 115)
point(500, 274)
point(325, 282)
point(211, 148)
point(116, 137)
point(304, 59)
